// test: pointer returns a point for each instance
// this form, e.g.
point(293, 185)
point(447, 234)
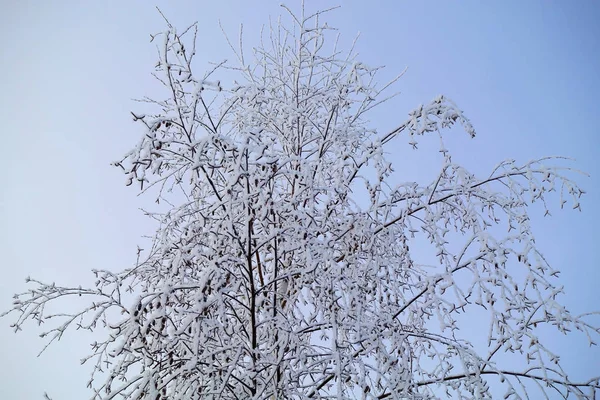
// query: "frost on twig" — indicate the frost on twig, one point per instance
point(266, 279)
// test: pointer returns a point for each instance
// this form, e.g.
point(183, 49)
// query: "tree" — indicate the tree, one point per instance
point(273, 275)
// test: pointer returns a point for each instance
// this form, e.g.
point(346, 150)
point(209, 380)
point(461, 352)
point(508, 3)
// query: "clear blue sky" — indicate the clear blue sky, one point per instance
point(525, 72)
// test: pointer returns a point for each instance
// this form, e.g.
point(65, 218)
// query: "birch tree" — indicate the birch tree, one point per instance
point(282, 267)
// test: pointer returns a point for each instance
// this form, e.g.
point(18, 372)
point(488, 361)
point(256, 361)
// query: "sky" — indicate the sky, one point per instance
point(524, 72)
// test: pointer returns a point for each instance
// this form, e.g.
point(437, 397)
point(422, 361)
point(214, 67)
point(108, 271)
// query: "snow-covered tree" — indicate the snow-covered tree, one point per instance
point(281, 267)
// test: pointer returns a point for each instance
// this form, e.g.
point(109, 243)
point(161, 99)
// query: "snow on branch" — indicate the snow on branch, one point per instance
point(266, 279)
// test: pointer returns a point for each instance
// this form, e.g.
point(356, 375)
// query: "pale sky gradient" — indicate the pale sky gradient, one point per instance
point(524, 72)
